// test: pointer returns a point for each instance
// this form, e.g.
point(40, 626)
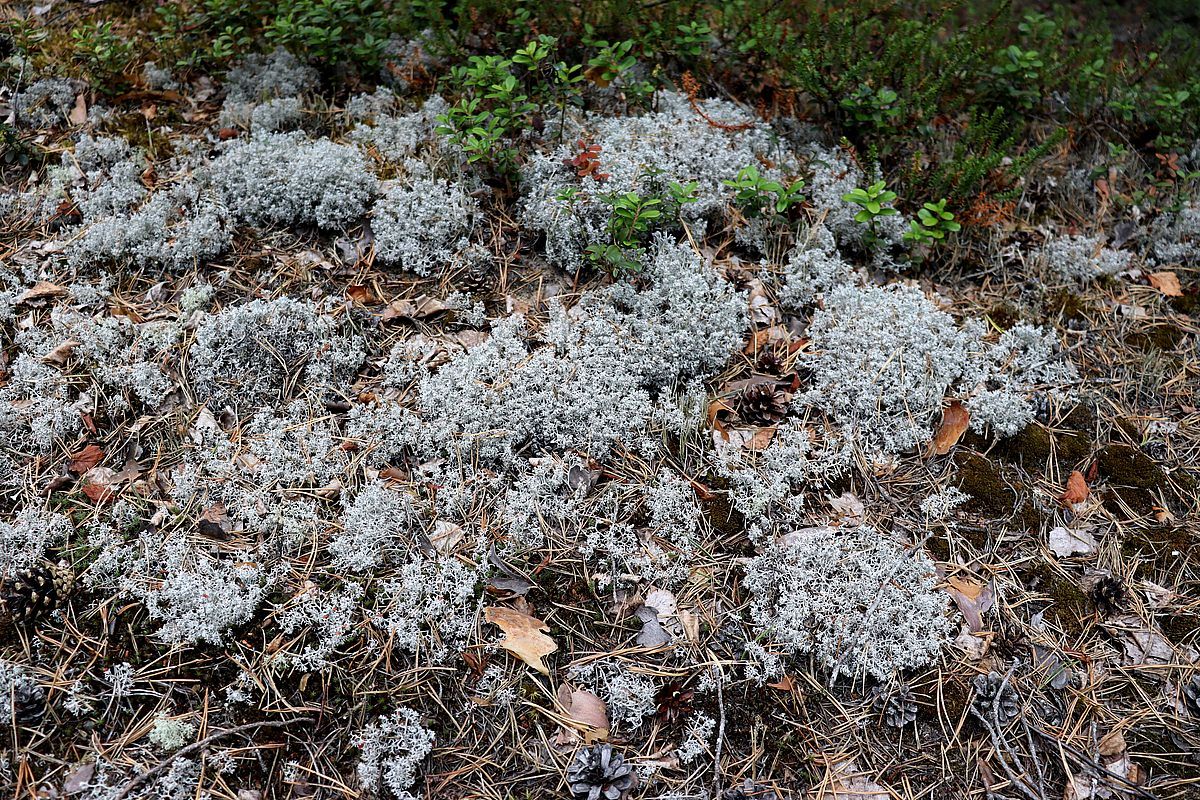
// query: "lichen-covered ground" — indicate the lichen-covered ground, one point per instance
point(334, 463)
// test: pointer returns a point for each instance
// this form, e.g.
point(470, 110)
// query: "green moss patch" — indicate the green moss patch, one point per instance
point(994, 490)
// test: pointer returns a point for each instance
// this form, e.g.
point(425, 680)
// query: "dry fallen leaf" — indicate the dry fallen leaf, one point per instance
point(78, 114)
point(1166, 282)
point(784, 684)
point(40, 291)
point(59, 355)
point(848, 505)
point(80, 462)
point(586, 713)
point(1112, 745)
point(100, 484)
point(973, 600)
point(360, 294)
point(1077, 489)
point(422, 307)
point(954, 424)
point(523, 636)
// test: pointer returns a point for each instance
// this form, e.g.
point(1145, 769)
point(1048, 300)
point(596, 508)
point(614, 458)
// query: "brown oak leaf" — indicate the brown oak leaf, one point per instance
point(524, 636)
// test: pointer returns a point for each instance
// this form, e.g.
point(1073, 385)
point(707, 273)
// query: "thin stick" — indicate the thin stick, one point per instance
point(196, 747)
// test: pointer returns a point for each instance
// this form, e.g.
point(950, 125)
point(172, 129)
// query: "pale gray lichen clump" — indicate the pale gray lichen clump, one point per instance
point(37, 408)
point(202, 597)
point(1082, 258)
point(885, 359)
point(427, 609)
point(45, 102)
point(267, 87)
point(854, 600)
point(265, 351)
point(423, 225)
point(29, 536)
point(395, 137)
point(180, 225)
point(587, 384)
point(287, 179)
point(1175, 237)
point(379, 526)
point(393, 748)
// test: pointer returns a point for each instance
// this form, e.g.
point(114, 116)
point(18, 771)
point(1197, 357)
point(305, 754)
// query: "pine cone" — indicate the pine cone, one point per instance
point(770, 360)
point(760, 404)
point(598, 773)
point(990, 705)
point(1108, 594)
point(673, 701)
point(28, 700)
point(478, 275)
point(33, 590)
point(899, 707)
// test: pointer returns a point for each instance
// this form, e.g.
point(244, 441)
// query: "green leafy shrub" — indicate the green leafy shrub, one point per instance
point(932, 225)
point(875, 202)
point(757, 194)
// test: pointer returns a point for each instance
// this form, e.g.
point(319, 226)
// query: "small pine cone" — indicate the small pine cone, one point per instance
point(673, 701)
point(599, 773)
point(990, 704)
point(33, 590)
point(770, 360)
point(28, 700)
point(478, 275)
point(760, 404)
point(1108, 594)
point(899, 707)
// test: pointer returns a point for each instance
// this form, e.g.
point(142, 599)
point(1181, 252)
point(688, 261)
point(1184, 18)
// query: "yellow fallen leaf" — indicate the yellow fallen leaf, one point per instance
point(523, 636)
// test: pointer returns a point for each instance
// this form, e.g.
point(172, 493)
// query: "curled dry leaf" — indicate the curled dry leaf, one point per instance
point(955, 419)
point(422, 307)
point(524, 636)
point(972, 598)
point(41, 290)
point(361, 294)
point(59, 355)
point(1077, 489)
point(586, 714)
